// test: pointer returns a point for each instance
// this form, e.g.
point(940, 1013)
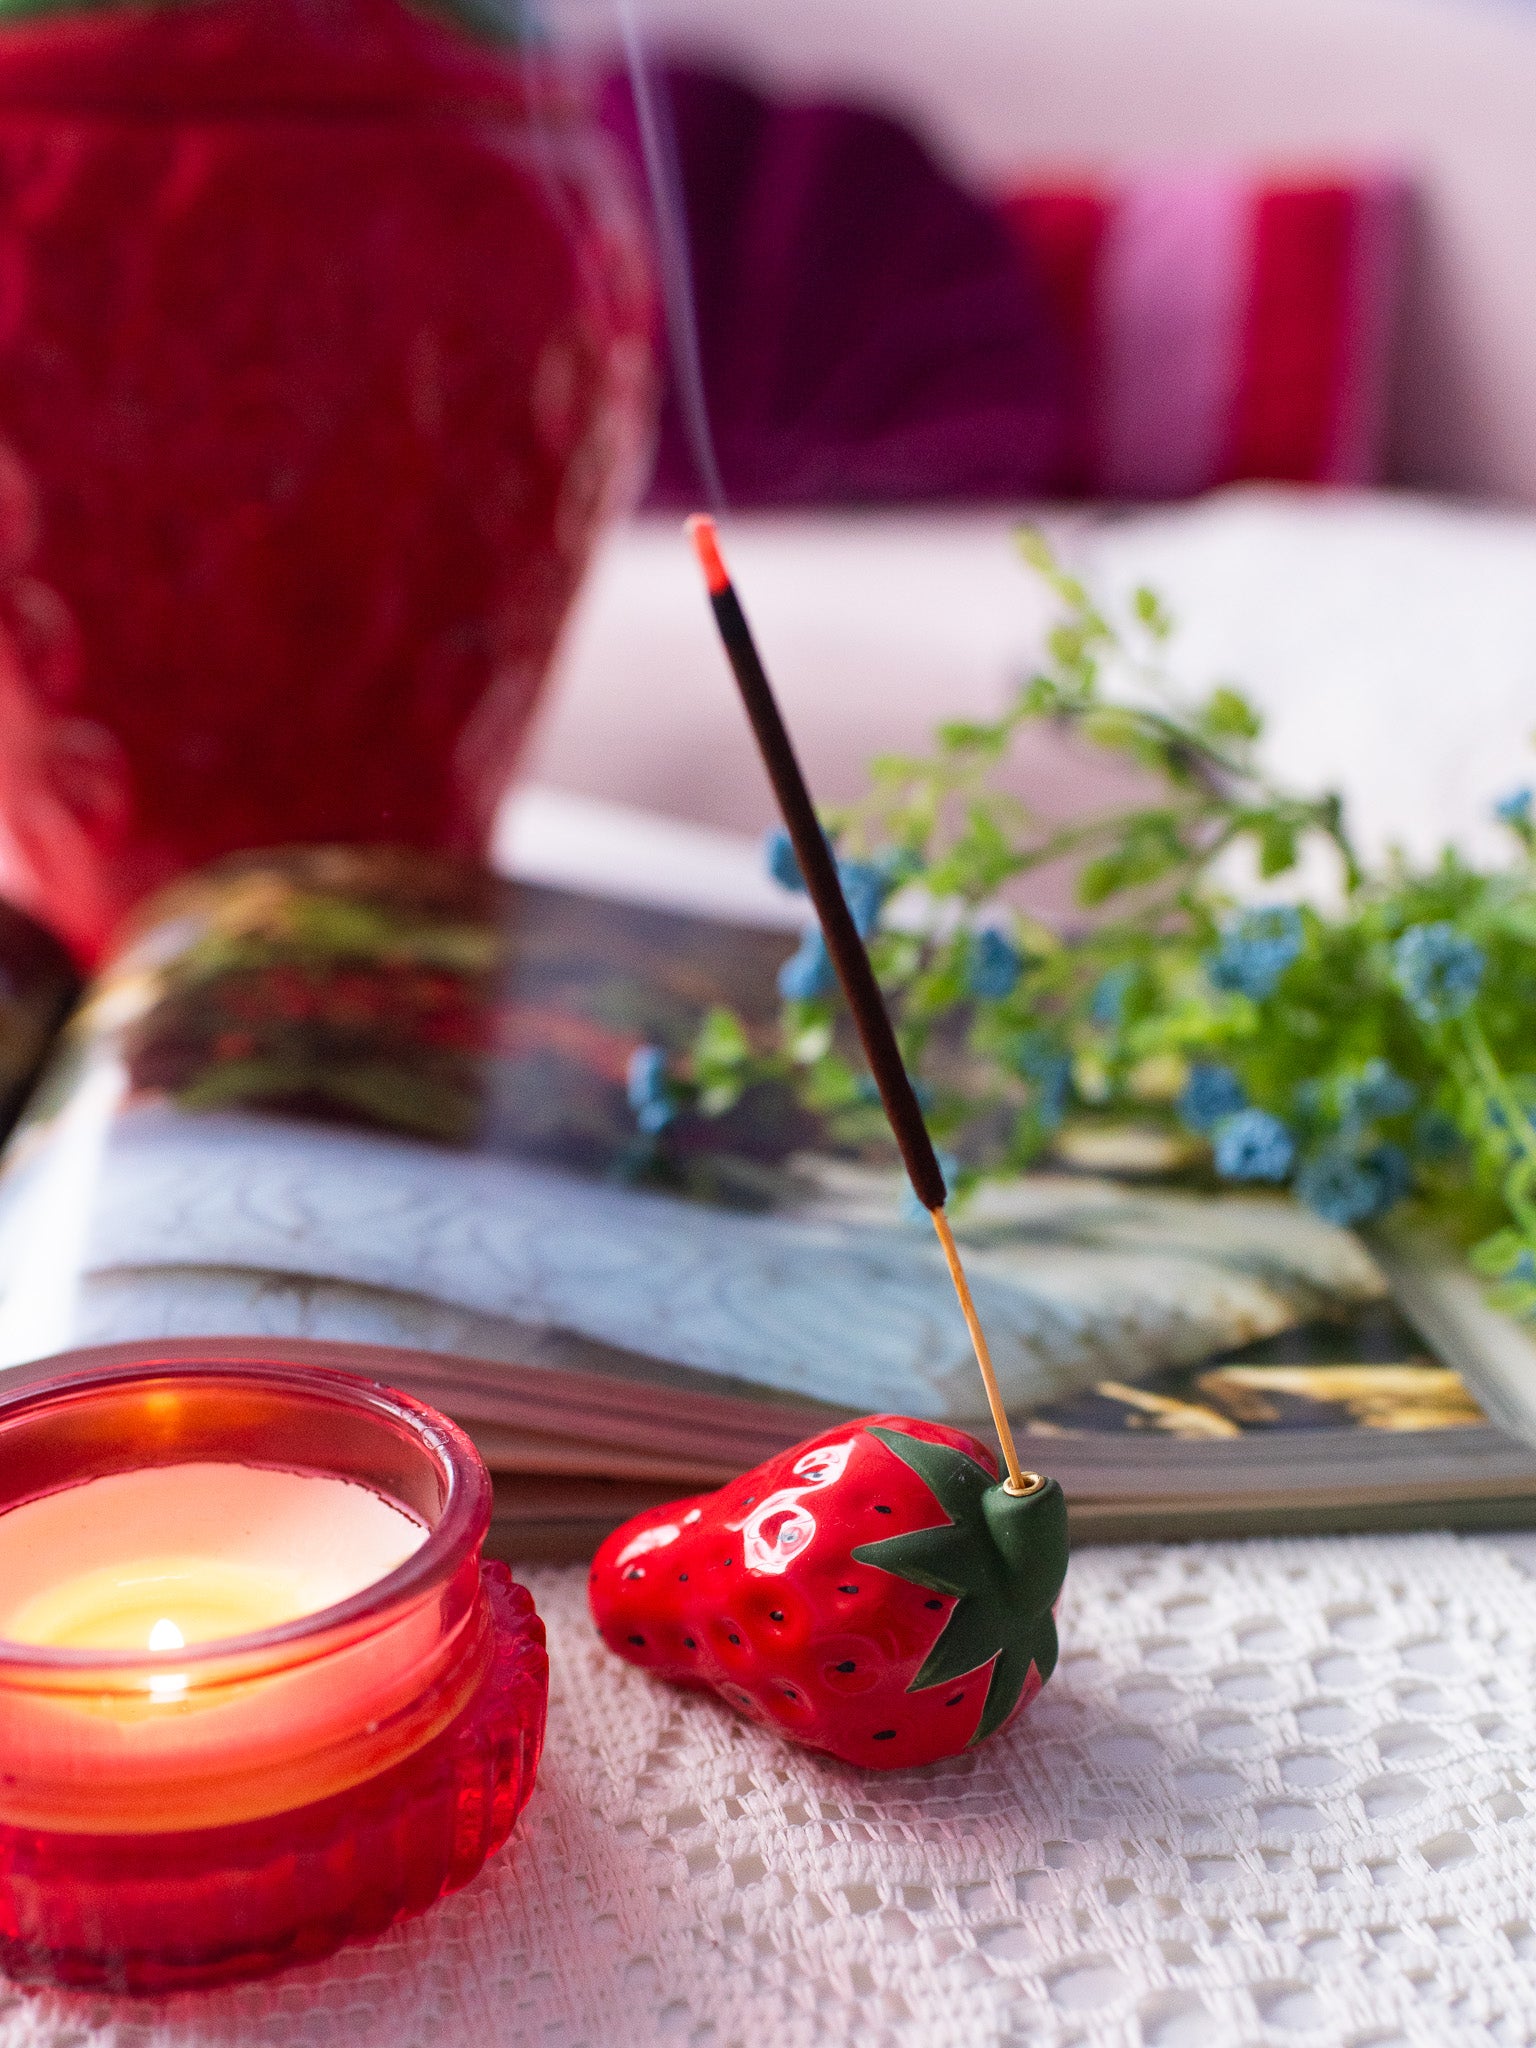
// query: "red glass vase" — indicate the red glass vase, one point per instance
point(324, 353)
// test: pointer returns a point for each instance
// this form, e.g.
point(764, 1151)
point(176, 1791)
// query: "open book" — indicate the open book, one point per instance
point(366, 1098)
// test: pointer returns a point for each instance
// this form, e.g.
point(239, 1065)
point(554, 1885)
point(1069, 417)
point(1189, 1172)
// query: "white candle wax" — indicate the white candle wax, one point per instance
point(173, 1555)
point(171, 1561)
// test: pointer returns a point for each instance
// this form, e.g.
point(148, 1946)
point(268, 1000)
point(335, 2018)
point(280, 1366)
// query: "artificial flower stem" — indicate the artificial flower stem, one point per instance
point(1496, 1084)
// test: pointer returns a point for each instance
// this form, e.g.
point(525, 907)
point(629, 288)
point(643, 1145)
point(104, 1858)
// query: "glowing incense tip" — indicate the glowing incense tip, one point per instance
point(706, 545)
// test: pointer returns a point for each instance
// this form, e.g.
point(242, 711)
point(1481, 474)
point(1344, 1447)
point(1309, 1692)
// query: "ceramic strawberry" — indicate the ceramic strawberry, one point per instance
point(876, 1592)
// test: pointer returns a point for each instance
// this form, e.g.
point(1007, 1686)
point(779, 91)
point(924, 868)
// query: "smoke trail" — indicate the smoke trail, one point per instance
point(658, 145)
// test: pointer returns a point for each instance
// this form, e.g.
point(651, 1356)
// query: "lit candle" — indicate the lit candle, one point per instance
point(258, 1694)
point(165, 1574)
point(194, 1553)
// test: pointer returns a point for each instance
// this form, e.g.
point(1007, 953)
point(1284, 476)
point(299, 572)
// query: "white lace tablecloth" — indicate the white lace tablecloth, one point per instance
point(1277, 1793)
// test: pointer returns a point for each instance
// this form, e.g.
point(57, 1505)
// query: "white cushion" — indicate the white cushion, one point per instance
point(1391, 640)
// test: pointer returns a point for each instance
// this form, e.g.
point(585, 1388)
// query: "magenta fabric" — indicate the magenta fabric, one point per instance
point(1167, 346)
point(1225, 325)
point(869, 330)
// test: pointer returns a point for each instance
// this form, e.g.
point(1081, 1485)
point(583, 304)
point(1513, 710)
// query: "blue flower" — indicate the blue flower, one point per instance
point(993, 966)
point(1376, 1091)
point(1435, 1136)
point(1394, 1175)
point(1336, 1186)
point(1256, 951)
point(1253, 1145)
point(1106, 1005)
point(1344, 1188)
point(899, 865)
point(779, 855)
point(865, 888)
point(808, 973)
point(649, 1090)
point(866, 883)
point(1515, 809)
point(1039, 1060)
point(1498, 1116)
point(1210, 1094)
point(1439, 971)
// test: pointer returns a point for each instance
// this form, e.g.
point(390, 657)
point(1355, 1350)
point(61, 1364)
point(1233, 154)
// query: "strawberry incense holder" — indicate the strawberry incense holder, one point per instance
point(879, 1592)
point(876, 1592)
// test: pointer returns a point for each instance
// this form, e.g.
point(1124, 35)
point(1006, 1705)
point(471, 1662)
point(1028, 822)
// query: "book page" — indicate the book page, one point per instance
point(368, 1095)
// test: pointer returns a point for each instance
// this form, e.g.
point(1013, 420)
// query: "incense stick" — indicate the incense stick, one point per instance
point(849, 957)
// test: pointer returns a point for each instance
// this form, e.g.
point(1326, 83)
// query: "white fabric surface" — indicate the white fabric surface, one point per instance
point(1390, 640)
point(1277, 1793)
point(874, 625)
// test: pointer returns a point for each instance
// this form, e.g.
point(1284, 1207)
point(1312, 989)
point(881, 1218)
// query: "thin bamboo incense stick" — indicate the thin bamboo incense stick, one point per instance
point(870, 1016)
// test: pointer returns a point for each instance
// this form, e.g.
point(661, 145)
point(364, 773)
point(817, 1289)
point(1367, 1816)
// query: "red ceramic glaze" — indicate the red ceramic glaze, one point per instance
point(873, 1592)
point(324, 352)
point(353, 1820)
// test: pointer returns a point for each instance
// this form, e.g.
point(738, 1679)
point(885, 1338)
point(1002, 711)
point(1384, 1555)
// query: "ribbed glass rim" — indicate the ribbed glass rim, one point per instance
point(456, 1535)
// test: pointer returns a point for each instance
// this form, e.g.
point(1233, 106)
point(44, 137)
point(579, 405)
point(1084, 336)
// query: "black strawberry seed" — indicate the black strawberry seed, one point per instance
point(954, 1699)
point(847, 1665)
point(638, 1641)
point(883, 1511)
point(776, 1614)
point(634, 1572)
point(885, 1735)
point(689, 1643)
point(734, 1639)
point(933, 1603)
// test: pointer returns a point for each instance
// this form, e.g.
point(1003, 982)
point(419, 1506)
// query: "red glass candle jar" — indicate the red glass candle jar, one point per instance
point(183, 1806)
point(324, 352)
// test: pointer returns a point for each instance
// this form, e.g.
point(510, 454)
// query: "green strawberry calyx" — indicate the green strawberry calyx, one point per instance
point(1002, 1555)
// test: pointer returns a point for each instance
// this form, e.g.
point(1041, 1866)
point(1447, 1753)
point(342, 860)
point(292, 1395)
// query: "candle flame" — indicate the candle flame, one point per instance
point(168, 1685)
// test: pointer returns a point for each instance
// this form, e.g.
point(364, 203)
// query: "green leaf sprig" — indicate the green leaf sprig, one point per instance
point(1379, 1053)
